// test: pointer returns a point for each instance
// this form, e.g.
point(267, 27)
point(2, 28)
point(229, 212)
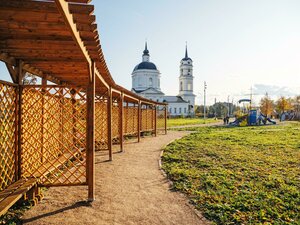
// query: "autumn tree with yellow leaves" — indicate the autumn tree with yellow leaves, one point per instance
point(283, 104)
point(266, 105)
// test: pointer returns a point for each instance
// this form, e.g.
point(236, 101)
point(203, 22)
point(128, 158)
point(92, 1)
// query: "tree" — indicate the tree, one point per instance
point(266, 105)
point(29, 79)
point(297, 103)
point(283, 104)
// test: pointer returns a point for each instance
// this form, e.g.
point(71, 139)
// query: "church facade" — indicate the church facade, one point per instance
point(146, 83)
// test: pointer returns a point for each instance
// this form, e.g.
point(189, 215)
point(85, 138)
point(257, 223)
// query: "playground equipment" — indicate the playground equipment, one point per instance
point(251, 116)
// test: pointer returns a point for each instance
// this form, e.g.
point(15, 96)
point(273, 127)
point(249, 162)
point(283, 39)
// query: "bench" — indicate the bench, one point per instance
point(28, 188)
point(14, 192)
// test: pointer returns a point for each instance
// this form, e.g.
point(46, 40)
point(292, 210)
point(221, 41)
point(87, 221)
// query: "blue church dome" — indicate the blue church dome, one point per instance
point(145, 66)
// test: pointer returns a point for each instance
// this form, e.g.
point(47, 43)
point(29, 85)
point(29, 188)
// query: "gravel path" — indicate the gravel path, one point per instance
point(129, 190)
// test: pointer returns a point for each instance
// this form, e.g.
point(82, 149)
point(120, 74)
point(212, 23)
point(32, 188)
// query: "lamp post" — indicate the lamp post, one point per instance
point(204, 109)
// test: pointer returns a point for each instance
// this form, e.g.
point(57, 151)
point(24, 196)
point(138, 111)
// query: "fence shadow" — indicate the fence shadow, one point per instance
point(74, 206)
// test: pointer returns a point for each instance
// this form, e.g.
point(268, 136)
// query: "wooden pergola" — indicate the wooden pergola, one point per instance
point(50, 132)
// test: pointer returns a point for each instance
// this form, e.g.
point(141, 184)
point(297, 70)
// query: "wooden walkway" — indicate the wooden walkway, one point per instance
point(129, 190)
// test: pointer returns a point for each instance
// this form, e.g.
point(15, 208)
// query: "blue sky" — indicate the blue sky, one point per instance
point(234, 44)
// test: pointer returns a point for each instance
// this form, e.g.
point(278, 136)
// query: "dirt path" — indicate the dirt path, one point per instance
point(129, 190)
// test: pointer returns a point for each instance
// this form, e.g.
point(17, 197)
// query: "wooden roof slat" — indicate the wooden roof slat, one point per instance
point(53, 17)
point(41, 26)
point(75, 1)
point(84, 19)
point(45, 35)
point(23, 16)
point(40, 6)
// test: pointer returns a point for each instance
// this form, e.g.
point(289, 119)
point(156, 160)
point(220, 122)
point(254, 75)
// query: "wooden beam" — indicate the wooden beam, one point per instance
point(63, 7)
point(7, 59)
point(101, 79)
point(13, 72)
point(90, 157)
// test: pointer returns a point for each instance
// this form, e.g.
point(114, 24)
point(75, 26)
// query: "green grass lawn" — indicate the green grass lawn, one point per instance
point(188, 121)
point(247, 175)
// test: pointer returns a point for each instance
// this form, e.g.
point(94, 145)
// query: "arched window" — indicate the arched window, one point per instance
point(189, 87)
point(150, 82)
point(181, 88)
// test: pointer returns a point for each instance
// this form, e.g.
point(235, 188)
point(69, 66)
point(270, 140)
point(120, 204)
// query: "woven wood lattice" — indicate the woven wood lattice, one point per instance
point(101, 118)
point(8, 94)
point(54, 134)
point(160, 119)
point(147, 119)
point(130, 121)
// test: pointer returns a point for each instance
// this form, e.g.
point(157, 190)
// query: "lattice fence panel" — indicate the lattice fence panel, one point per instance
point(7, 134)
point(54, 134)
point(116, 121)
point(101, 131)
point(130, 120)
point(160, 119)
point(147, 118)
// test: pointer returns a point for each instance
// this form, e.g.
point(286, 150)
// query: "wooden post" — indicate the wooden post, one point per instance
point(20, 76)
point(109, 123)
point(44, 83)
point(16, 134)
point(165, 119)
point(61, 116)
point(155, 120)
point(74, 112)
point(121, 122)
point(90, 138)
point(139, 121)
point(127, 119)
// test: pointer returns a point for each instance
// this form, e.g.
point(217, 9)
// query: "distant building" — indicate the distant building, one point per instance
point(146, 83)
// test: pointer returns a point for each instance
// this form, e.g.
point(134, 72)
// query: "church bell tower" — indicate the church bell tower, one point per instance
point(186, 81)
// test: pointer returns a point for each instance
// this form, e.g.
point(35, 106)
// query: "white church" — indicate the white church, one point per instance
point(146, 83)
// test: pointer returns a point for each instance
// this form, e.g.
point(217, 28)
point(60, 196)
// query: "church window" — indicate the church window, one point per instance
point(184, 110)
point(175, 109)
point(150, 82)
point(189, 87)
point(181, 88)
point(189, 70)
point(157, 100)
point(139, 81)
point(179, 110)
point(170, 110)
point(181, 71)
